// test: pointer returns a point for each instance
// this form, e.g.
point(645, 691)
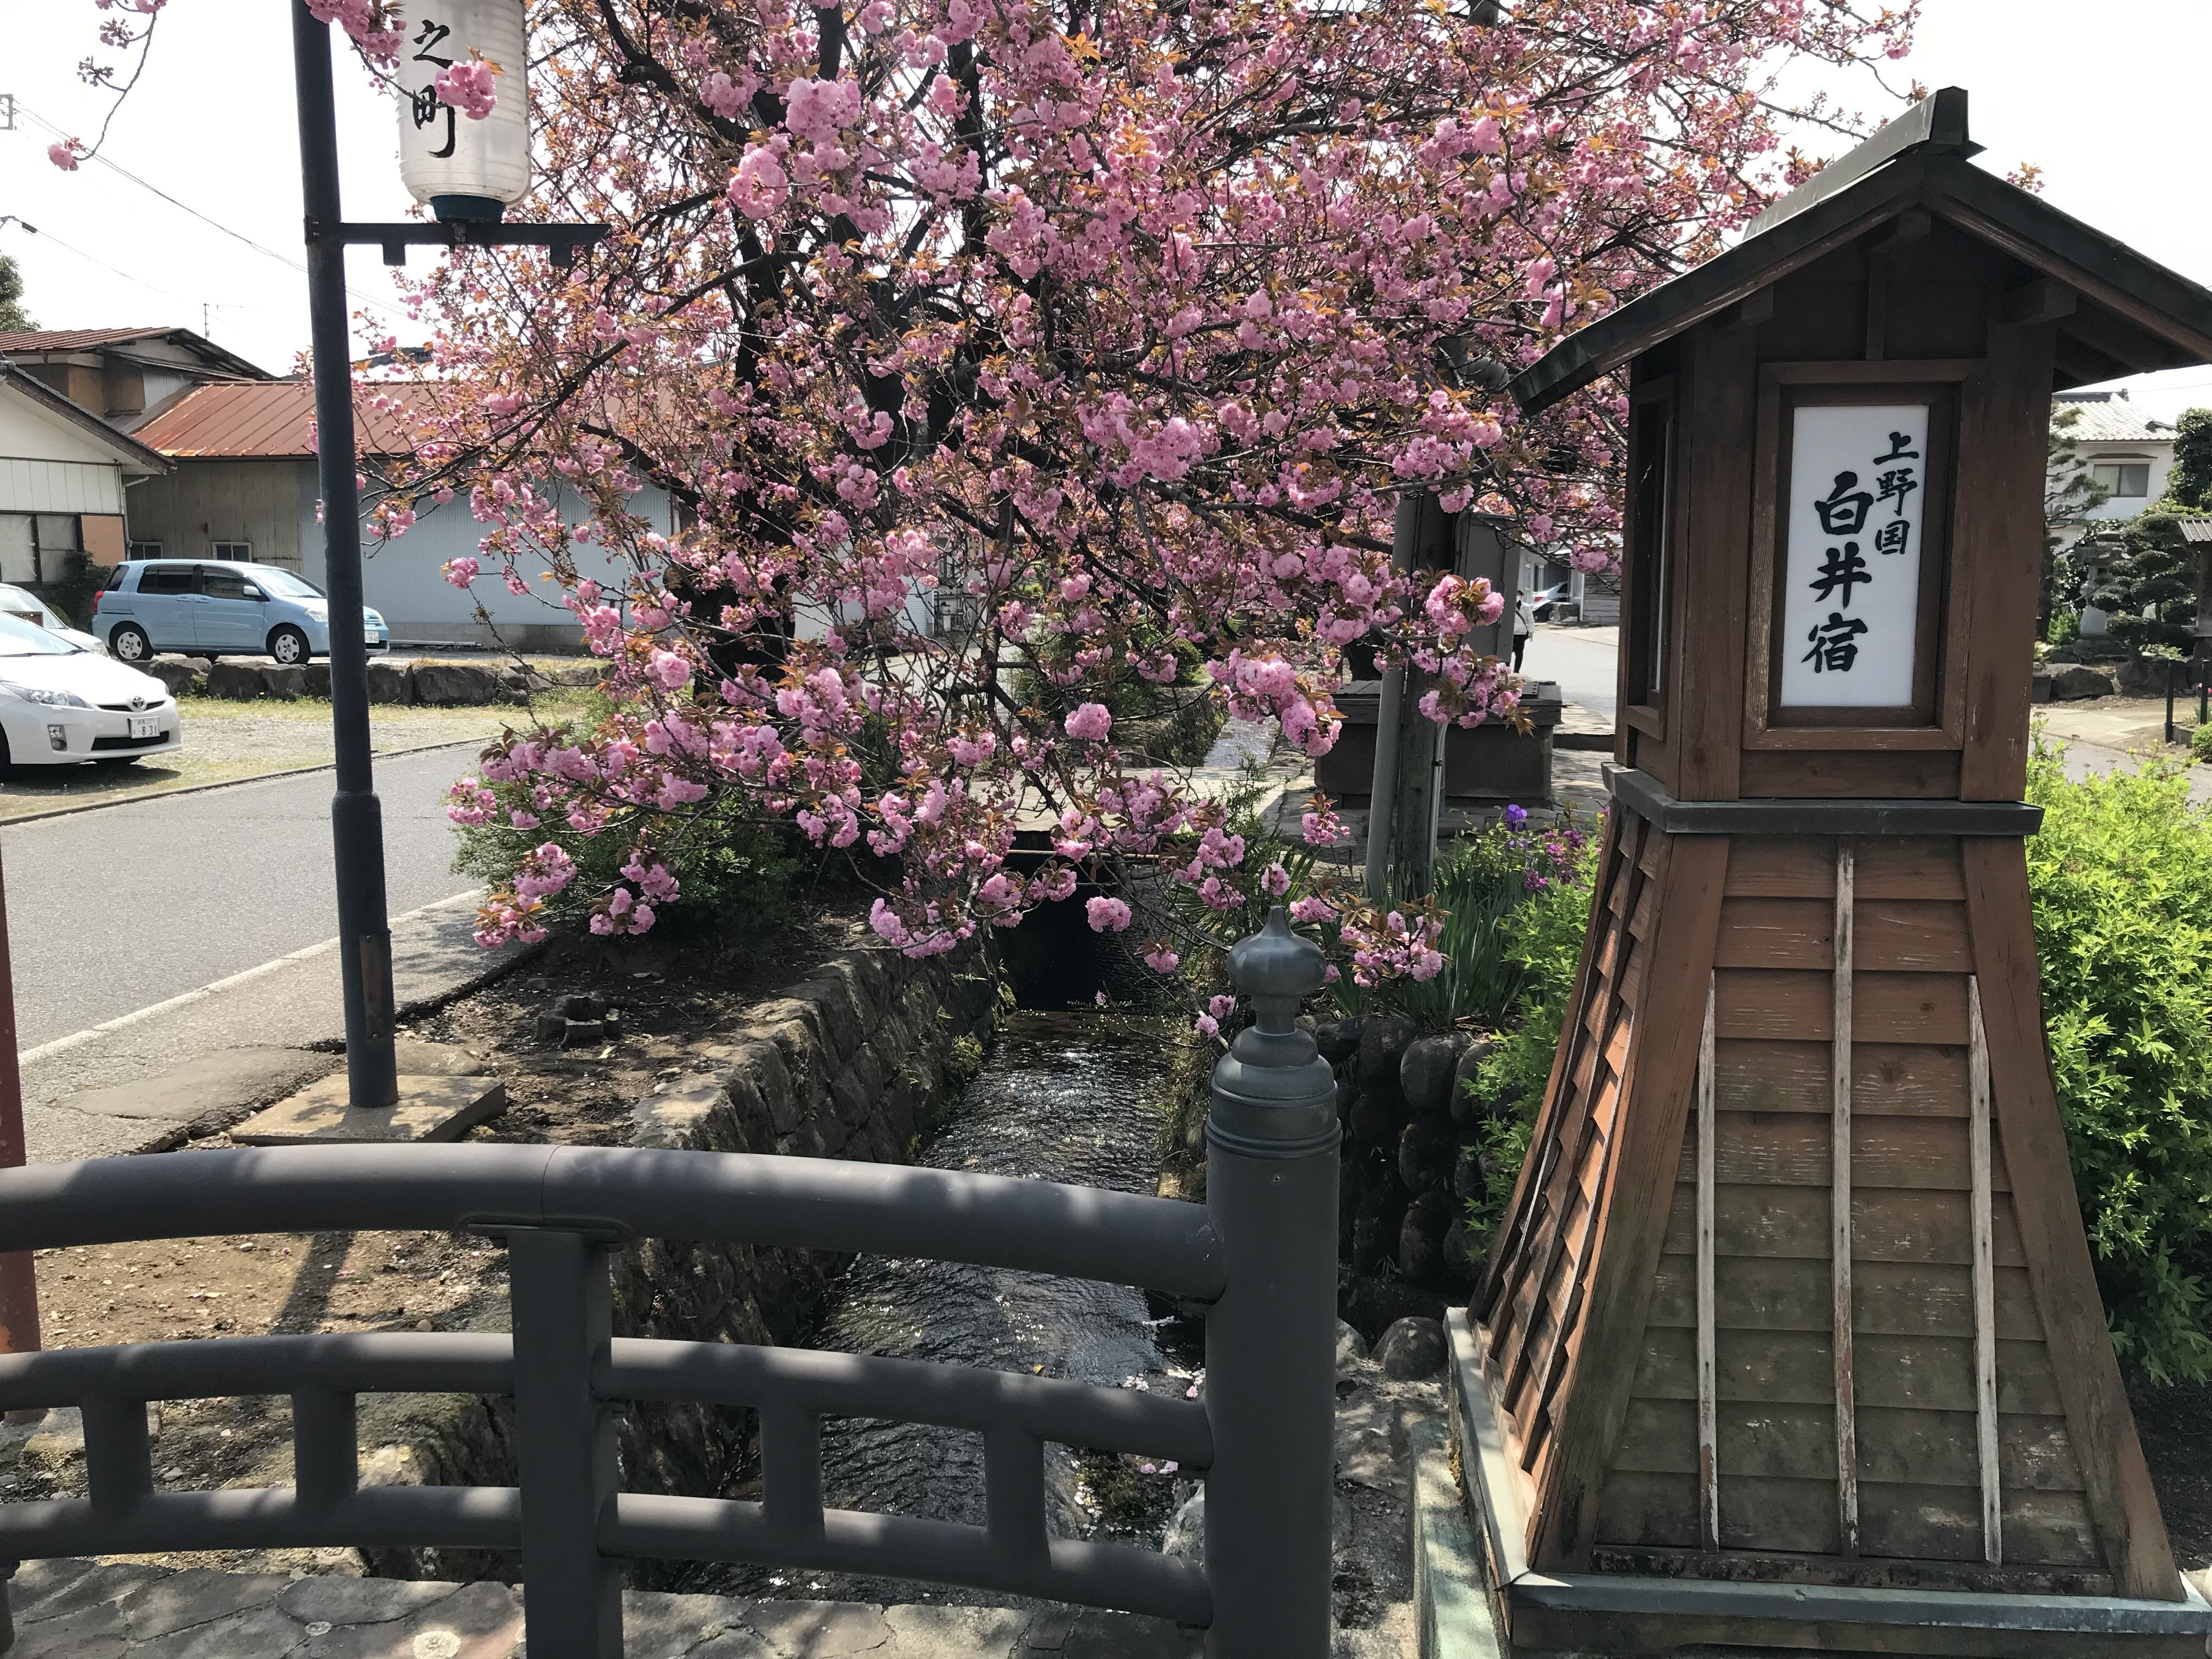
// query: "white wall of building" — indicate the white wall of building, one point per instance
point(402, 580)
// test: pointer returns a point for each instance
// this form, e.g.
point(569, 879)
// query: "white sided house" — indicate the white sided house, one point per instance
point(64, 473)
point(244, 487)
point(2125, 451)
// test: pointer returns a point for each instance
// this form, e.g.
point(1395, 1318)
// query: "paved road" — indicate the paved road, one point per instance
point(112, 910)
point(1583, 661)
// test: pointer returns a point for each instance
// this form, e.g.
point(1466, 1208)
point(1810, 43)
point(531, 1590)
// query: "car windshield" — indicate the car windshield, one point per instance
point(284, 583)
point(20, 639)
point(21, 602)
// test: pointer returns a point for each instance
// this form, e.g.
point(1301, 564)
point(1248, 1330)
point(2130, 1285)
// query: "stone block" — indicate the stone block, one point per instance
point(1339, 1039)
point(195, 1596)
point(1410, 1350)
point(842, 1028)
point(820, 1629)
point(182, 678)
point(870, 1068)
point(676, 1117)
point(1421, 1235)
point(390, 682)
point(2076, 681)
point(795, 1025)
point(2039, 686)
point(235, 682)
point(1426, 1148)
point(289, 684)
point(454, 685)
point(317, 679)
point(760, 1063)
point(1384, 1039)
point(849, 1093)
point(1426, 1072)
point(927, 1630)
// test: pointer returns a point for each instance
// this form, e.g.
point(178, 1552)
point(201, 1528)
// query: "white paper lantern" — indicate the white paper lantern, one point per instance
point(458, 167)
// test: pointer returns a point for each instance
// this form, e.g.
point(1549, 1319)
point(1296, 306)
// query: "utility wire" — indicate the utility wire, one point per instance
point(183, 207)
point(93, 258)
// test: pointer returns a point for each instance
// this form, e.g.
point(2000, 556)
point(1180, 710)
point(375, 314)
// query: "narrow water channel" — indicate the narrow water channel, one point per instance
point(1066, 1095)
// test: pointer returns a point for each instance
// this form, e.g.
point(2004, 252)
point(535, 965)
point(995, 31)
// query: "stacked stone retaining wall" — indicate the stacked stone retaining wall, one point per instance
point(858, 1061)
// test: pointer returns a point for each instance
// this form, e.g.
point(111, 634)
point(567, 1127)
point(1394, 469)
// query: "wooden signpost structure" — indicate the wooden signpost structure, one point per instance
point(1789, 1338)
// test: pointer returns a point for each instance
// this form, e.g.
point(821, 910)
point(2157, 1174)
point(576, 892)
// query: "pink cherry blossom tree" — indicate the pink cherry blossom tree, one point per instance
point(1121, 325)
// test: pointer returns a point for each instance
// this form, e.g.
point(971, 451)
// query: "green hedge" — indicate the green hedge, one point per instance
point(2122, 878)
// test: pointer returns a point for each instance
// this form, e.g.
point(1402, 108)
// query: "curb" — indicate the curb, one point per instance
point(226, 783)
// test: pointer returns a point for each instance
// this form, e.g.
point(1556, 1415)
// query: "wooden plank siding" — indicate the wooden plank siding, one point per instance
point(1716, 1447)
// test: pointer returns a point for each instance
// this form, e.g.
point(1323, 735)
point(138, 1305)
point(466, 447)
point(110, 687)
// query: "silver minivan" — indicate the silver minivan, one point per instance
point(216, 608)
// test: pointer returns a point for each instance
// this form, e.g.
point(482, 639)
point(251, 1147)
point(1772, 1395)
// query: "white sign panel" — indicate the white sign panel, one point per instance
point(1851, 608)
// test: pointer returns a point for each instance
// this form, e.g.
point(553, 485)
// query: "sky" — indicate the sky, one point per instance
point(2109, 100)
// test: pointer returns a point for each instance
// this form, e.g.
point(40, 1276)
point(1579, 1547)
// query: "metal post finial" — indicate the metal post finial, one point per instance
point(1272, 1088)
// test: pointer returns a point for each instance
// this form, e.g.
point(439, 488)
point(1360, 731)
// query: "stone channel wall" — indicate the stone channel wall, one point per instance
point(858, 1061)
point(1412, 1158)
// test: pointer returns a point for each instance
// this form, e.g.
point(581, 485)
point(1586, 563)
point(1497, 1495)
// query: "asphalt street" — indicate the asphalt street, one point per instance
point(1582, 660)
point(112, 910)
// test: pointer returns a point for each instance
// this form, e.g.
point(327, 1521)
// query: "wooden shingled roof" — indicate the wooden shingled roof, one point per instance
point(2130, 315)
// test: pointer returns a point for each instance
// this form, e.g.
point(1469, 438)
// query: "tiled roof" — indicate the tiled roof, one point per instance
point(74, 339)
point(216, 359)
point(2196, 530)
point(2114, 421)
point(270, 419)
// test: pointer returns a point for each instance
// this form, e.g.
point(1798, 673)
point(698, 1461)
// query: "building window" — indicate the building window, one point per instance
point(2122, 478)
point(238, 552)
point(19, 548)
point(39, 547)
point(142, 550)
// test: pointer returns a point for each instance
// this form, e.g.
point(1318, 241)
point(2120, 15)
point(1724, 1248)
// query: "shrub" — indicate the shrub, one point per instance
point(2122, 878)
point(2200, 744)
point(1543, 940)
point(733, 872)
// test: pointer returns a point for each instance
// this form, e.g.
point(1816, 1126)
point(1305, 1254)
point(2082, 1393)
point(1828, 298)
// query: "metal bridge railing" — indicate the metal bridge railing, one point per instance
point(1259, 1255)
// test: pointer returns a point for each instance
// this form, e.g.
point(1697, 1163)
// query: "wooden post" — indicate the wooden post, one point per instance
point(1839, 1213)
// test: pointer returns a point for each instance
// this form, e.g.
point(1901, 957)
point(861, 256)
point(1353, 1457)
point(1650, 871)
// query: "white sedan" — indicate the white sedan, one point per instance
point(60, 704)
point(21, 602)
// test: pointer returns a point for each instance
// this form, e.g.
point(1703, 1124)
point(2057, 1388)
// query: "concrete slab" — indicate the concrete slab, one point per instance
point(210, 1087)
point(428, 1109)
point(294, 1004)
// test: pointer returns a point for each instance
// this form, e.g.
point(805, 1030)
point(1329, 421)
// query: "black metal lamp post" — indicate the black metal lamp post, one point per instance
point(356, 817)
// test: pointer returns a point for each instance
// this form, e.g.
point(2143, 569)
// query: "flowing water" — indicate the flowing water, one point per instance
point(1063, 1096)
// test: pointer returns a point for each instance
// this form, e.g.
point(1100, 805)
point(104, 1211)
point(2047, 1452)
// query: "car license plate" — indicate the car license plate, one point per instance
point(145, 726)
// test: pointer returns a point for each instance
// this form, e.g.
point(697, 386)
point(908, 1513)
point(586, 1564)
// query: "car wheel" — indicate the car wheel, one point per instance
point(288, 646)
point(129, 644)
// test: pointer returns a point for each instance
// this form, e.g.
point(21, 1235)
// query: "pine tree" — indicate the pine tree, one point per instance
point(2071, 494)
point(2189, 485)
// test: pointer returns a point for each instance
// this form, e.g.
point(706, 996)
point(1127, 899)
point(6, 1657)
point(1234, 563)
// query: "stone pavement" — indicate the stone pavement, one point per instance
point(150, 1080)
point(74, 1609)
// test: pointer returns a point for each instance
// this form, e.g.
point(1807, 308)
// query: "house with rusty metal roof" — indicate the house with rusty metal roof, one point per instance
point(242, 485)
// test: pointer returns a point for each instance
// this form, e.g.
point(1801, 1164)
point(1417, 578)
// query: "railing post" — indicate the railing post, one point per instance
point(563, 1325)
point(1271, 1339)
